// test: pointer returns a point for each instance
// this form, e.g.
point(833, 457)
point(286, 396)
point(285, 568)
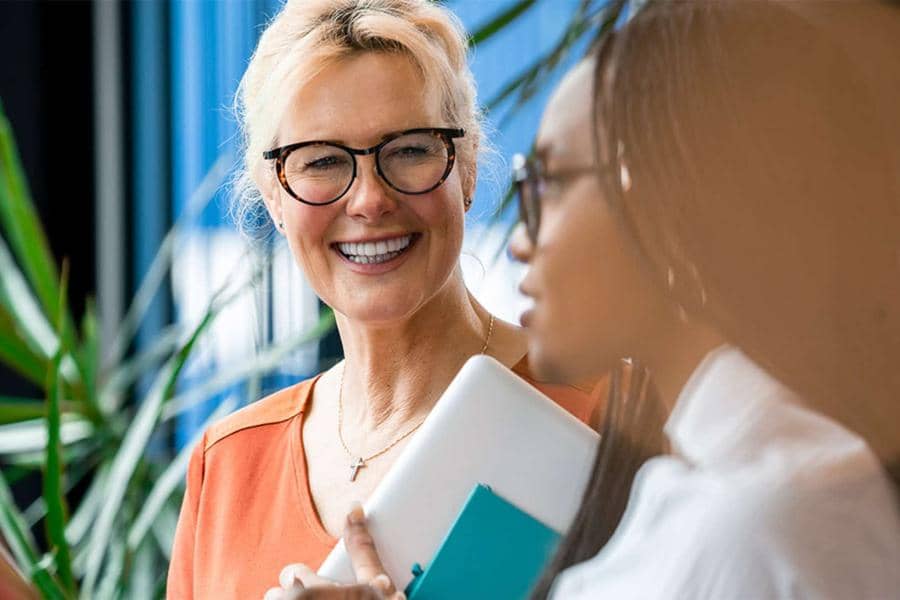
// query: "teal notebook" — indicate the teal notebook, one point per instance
point(493, 551)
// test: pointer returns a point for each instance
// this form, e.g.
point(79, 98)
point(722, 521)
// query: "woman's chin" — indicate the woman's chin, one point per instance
point(543, 364)
point(558, 365)
point(378, 309)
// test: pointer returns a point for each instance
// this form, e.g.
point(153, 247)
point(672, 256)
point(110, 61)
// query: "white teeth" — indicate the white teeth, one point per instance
point(374, 252)
point(371, 260)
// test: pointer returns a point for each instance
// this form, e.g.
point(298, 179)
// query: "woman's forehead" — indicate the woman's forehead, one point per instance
point(567, 128)
point(360, 98)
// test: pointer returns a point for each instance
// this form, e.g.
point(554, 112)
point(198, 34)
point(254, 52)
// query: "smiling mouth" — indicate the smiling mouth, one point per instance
point(370, 253)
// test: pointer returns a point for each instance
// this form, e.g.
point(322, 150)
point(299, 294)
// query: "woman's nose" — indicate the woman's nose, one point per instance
point(370, 198)
point(520, 246)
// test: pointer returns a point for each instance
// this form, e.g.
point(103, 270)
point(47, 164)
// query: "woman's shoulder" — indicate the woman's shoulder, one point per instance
point(278, 407)
point(804, 506)
point(726, 534)
point(832, 530)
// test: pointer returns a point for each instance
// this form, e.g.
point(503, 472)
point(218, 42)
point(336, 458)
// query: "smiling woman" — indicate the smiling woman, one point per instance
point(361, 101)
point(361, 136)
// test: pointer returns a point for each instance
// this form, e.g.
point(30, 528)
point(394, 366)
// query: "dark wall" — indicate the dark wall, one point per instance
point(46, 85)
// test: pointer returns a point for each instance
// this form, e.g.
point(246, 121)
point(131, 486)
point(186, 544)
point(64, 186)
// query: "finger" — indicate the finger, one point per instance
point(273, 594)
point(361, 547)
point(383, 584)
point(303, 575)
point(353, 592)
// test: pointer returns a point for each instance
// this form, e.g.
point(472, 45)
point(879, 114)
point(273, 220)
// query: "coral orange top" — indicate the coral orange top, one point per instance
point(248, 511)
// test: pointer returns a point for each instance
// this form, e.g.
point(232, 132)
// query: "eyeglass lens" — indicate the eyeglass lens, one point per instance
point(529, 202)
point(413, 163)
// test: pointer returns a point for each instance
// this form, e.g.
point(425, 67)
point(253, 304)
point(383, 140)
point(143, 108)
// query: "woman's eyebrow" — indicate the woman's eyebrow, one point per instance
point(342, 142)
point(552, 152)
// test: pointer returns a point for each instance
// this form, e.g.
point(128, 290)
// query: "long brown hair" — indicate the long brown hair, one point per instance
point(631, 434)
point(761, 143)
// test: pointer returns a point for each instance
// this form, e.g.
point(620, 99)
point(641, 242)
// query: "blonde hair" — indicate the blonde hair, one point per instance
point(309, 35)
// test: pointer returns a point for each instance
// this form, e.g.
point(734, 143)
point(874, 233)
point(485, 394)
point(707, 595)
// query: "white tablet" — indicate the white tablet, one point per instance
point(489, 427)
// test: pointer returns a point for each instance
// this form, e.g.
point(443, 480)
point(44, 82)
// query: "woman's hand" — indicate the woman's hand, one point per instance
point(299, 582)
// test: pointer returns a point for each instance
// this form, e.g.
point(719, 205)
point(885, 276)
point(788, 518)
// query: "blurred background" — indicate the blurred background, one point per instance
point(117, 148)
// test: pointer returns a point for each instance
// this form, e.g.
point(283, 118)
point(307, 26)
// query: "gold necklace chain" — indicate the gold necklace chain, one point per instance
point(360, 462)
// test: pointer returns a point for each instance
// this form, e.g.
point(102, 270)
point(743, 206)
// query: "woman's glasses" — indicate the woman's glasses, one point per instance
point(528, 182)
point(415, 161)
point(532, 183)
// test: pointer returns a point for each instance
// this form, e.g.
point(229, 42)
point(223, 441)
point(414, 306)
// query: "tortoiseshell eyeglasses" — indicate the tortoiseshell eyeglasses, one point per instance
point(415, 161)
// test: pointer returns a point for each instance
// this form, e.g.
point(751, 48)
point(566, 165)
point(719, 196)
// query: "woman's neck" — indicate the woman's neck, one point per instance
point(394, 372)
point(675, 354)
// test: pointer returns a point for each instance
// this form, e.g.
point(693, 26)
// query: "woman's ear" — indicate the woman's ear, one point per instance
point(468, 183)
point(268, 187)
point(273, 205)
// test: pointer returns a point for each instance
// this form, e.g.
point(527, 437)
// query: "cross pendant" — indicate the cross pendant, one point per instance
point(355, 467)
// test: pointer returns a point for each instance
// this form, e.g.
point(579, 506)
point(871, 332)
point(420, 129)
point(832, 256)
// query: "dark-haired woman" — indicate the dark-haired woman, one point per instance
point(732, 226)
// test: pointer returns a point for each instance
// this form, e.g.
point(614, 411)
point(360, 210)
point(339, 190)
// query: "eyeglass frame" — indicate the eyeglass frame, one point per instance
point(446, 134)
point(529, 170)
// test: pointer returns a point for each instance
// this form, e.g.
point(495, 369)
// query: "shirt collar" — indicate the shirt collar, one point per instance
point(728, 407)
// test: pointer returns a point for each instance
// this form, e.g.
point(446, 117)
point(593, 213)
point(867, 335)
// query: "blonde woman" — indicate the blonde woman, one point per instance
point(362, 136)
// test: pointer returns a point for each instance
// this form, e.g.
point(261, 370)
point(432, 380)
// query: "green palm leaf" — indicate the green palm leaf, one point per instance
point(171, 478)
point(145, 573)
point(22, 227)
point(25, 438)
point(264, 362)
point(18, 355)
point(86, 513)
point(15, 410)
point(17, 534)
point(18, 301)
point(500, 21)
point(54, 497)
point(590, 18)
point(131, 451)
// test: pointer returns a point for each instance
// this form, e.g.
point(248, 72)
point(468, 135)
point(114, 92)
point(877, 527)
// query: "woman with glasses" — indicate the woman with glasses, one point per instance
point(361, 134)
point(715, 196)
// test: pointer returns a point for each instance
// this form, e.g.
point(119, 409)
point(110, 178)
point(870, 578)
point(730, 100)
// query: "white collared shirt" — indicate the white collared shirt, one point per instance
point(761, 499)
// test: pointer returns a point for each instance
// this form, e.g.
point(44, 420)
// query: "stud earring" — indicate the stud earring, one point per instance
point(467, 202)
point(624, 173)
point(624, 177)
